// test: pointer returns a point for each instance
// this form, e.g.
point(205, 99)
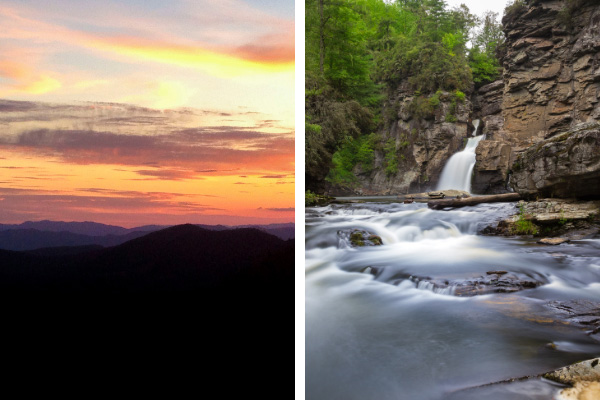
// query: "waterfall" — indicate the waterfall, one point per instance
point(457, 171)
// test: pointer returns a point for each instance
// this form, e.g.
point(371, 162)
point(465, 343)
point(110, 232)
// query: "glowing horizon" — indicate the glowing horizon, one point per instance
point(147, 113)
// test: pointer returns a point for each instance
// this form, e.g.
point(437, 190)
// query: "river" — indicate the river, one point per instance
point(378, 328)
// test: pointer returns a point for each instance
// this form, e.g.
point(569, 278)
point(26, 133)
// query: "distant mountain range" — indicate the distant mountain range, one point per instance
point(43, 234)
point(181, 259)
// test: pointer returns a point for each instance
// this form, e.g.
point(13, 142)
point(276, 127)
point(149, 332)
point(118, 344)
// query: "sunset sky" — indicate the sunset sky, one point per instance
point(147, 112)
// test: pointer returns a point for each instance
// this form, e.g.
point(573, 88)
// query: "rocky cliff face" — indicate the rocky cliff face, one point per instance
point(424, 137)
point(551, 86)
point(551, 70)
point(566, 165)
point(493, 155)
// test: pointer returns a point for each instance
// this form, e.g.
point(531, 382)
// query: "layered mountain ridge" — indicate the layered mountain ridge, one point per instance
point(178, 259)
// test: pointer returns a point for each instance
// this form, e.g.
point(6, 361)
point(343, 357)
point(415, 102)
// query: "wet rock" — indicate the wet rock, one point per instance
point(588, 370)
point(553, 241)
point(584, 314)
point(360, 238)
point(495, 282)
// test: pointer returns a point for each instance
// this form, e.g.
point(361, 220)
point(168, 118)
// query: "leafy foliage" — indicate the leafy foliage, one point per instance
point(359, 51)
point(487, 44)
point(329, 123)
point(524, 226)
point(353, 152)
point(391, 158)
point(312, 199)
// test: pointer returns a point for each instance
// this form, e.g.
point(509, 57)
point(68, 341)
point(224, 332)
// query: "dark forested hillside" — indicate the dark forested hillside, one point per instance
point(359, 53)
point(183, 259)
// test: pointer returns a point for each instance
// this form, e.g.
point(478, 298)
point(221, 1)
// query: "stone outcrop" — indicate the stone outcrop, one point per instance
point(547, 211)
point(564, 219)
point(423, 140)
point(566, 165)
point(551, 97)
point(588, 370)
point(532, 118)
point(551, 68)
point(491, 167)
point(493, 154)
point(583, 376)
point(550, 86)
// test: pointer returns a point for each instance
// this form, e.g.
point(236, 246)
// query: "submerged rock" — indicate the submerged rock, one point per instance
point(494, 282)
point(360, 238)
point(584, 314)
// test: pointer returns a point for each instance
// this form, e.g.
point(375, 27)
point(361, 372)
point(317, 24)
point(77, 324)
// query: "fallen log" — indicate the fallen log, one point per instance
point(471, 201)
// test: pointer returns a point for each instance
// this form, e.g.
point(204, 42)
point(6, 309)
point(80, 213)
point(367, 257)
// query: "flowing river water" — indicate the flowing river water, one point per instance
point(377, 328)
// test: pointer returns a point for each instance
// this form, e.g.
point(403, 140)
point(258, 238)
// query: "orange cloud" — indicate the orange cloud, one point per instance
point(25, 79)
point(250, 58)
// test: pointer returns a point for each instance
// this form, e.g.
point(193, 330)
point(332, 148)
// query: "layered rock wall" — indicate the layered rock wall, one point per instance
point(551, 103)
point(493, 154)
point(551, 69)
point(566, 165)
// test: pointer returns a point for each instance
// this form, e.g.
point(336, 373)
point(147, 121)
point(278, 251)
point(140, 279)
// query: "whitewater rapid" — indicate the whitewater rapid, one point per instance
point(376, 328)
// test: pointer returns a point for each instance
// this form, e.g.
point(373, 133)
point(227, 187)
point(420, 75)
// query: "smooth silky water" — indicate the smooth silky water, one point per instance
point(459, 168)
point(383, 335)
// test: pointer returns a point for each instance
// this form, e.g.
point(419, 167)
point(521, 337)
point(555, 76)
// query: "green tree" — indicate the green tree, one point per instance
point(488, 44)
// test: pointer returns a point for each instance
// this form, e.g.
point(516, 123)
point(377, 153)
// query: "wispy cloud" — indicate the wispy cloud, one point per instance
point(181, 153)
point(264, 51)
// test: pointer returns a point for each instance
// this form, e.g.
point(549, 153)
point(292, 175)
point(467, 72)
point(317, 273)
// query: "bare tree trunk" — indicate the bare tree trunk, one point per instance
point(471, 201)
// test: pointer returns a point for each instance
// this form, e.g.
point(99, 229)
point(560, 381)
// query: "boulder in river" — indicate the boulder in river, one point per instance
point(360, 238)
point(494, 282)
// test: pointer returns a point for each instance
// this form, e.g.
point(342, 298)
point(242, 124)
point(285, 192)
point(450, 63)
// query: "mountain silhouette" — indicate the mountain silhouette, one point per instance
point(41, 234)
point(183, 259)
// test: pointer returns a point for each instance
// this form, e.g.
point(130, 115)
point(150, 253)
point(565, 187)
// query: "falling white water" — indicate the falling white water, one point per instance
point(457, 171)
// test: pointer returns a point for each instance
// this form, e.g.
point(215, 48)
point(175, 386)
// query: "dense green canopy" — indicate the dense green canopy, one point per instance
point(359, 51)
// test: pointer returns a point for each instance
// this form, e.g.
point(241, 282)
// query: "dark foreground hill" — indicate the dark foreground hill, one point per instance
point(174, 304)
point(181, 260)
